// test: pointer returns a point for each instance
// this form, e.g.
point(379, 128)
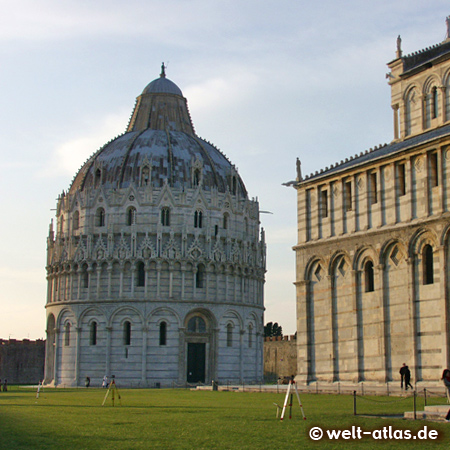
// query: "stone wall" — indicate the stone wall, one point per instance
point(280, 357)
point(22, 362)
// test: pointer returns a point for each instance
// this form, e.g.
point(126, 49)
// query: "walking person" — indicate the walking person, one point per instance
point(407, 378)
point(402, 372)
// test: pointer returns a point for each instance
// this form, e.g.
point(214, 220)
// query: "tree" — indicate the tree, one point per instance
point(272, 329)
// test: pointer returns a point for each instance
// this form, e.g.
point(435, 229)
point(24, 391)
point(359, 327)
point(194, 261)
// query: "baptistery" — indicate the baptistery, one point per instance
point(156, 260)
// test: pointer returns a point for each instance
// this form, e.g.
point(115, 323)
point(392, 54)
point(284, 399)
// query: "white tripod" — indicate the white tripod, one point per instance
point(291, 383)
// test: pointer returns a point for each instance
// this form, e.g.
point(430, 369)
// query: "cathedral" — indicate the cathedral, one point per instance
point(373, 249)
point(156, 262)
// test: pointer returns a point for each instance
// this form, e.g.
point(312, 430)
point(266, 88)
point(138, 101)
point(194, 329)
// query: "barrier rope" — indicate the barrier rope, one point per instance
point(384, 401)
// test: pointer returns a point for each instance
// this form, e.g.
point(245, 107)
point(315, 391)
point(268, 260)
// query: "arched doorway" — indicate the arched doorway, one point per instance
point(200, 358)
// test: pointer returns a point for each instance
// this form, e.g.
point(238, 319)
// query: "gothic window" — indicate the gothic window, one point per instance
point(196, 324)
point(234, 186)
point(141, 274)
point(229, 335)
point(198, 219)
point(165, 217)
point(67, 334)
point(200, 276)
point(216, 230)
point(196, 178)
point(76, 220)
point(98, 178)
point(100, 217)
point(163, 333)
point(225, 221)
point(127, 333)
point(93, 334)
point(427, 264)
point(131, 216)
point(369, 277)
point(145, 176)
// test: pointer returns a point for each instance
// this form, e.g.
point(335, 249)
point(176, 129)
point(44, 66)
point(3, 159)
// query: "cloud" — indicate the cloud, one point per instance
point(70, 155)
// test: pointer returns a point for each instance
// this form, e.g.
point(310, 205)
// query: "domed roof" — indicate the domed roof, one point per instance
point(160, 141)
point(162, 85)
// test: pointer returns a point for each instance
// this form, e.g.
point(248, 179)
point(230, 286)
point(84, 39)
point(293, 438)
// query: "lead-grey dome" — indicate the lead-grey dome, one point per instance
point(160, 141)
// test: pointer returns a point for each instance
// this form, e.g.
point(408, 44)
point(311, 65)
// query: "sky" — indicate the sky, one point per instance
point(266, 81)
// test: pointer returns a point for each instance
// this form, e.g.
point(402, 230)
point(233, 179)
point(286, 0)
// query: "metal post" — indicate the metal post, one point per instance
point(354, 403)
point(415, 417)
point(425, 395)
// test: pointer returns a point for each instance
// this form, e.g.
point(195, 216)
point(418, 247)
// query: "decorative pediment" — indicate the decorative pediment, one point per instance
point(195, 251)
point(100, 249)
point(146, 250)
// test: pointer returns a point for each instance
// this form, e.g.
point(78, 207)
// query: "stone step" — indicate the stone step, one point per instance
point(432, 412)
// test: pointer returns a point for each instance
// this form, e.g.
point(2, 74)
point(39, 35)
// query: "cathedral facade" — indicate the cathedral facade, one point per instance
point(156, 264)
point(372, 257)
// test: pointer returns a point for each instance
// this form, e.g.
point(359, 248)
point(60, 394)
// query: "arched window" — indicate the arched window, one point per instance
point(163, 333)
point(93, 334)
point(200, 276)
point(141, 274)
point(229, 335)
point(409, 103)
point(100, 217)
point(76, 220)
point(165, 217)
point(196, 324)
point(435, 103)
point(427, 264)
point(196, 178)
point(127, 333)
point(225, 221)
point(145, 176)
point(198, 219)
point(131, 216)
point(368, 276)
point(67, 334)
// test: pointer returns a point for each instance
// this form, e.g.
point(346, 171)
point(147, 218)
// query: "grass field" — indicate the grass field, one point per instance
point(182, 419)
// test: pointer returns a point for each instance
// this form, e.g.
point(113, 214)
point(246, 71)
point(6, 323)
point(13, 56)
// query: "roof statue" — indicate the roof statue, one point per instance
point(399, 47)
point(163, 70)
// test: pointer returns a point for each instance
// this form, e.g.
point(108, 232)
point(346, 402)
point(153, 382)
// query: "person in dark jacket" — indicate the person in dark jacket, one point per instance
point(407, 378)
point(402, 374)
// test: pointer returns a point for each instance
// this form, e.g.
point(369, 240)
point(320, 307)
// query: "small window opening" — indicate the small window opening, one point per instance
point(67, 335)
point(131, 216)
point(348, 196)
point(145, 176)
point(163, 333)
point(93, 334)
point(199, 276)
point(373, 188)
point(127, 333)
point(369, 276)
point(427, 261)
point(100, 217)
point(98, 178)
point(401, 179)
point(229, 335)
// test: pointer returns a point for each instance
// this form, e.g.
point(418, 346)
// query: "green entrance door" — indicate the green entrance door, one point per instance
point(196, 362)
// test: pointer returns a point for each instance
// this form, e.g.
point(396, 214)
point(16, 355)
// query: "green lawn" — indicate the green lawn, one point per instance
point(181, 419)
